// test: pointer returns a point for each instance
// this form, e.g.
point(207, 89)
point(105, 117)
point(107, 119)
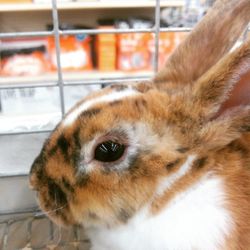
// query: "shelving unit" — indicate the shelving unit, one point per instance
point(24, 17)
point(73, 76)
point(68, 13)
point(89, 5)
point(32, 17)
point(73, 12)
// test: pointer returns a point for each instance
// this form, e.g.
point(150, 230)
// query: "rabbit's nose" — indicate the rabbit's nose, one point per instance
point(33, 177)
point(36, 172)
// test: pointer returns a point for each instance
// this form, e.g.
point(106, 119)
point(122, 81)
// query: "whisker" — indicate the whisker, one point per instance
point(49, 212)
point(55, 199)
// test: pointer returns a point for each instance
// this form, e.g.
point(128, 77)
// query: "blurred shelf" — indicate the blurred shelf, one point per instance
point(74, 76)
point(22, 7)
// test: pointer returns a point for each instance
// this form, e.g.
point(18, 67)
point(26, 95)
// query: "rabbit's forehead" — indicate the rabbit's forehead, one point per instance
point(90, 103)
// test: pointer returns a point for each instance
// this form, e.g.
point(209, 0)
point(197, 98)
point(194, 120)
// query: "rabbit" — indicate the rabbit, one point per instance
point(162, 164)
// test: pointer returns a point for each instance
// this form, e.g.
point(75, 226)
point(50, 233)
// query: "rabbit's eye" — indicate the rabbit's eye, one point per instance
point(109, 151)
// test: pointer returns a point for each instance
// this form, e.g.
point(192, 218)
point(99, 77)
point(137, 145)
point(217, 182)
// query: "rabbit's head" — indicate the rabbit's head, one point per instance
point(107, 158)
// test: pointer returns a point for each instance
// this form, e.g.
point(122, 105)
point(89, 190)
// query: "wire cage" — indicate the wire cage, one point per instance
point(30, 228)
point(34, 231)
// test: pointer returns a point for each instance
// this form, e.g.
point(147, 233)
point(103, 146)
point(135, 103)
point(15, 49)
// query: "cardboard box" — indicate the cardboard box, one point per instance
point(106, 51)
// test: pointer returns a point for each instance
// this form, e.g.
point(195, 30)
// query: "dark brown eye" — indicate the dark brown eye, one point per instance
point(109, 151)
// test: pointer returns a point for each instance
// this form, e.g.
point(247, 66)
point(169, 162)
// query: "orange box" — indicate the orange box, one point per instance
point(106, 51)
point(75, 53)
point(168, 41)
point(23, 56)
point(133, 52)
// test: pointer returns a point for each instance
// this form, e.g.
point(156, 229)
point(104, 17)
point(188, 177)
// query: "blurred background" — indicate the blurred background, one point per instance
point(83, 57)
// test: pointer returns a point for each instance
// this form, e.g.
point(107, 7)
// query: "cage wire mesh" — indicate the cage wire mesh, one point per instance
point(31, 229)
point(34, 231)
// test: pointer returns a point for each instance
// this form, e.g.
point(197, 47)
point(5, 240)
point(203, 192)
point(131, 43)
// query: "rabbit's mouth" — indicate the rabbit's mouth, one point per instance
point(54, 203)
point(52, 197)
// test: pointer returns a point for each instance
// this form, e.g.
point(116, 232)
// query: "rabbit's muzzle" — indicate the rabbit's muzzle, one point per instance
point(51, 194)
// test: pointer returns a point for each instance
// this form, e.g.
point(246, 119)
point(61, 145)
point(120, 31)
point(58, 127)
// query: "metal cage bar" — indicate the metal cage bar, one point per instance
point(58, 57)
point(157, 31)
point(88, 31)
point(60, 83)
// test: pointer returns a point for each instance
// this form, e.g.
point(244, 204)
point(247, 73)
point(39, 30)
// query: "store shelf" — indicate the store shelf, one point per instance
point(22, 7)
point(73, 76)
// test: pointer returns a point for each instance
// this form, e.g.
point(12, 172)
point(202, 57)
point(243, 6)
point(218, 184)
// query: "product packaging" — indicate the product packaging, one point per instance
point(23, 57)
point(106, 50)
point(75, 51)
point(133, 52)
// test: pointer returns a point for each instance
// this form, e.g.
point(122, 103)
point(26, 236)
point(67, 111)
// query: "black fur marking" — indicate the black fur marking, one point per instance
point(39, 162)
point(63, 144)
point(144, 87)
point(123, 215)
point(82, 180)
point(38, 170)
point(119, 87)
point(184, 130)
point(90, 113)
point(238, 147)
point(172, 164)
point(245, 128)
point(115, 103)
point(140, 104)
point(200, 163)
point(76, 137)
point(56, 194)
point(133, 164)
point(75, 156)
point(62, 214)
point(182, 150)
point(41, 176)
point(67, 185)
point(52, 151)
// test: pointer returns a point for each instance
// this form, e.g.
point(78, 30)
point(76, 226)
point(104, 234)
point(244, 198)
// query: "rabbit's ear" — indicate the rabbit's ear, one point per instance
point(221, 98)
point(213, 37)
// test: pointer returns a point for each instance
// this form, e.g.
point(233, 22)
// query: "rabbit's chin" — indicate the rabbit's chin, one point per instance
point(59, 214)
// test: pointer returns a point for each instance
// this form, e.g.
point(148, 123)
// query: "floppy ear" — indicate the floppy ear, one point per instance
point(221, 98)
point(213, 37)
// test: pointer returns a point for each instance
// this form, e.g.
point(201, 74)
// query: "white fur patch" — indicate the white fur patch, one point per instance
point(194, 219)
point(168, 181)
point(110, 97)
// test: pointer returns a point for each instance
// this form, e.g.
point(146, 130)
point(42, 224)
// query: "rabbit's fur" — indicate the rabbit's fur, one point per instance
point(183, 181)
